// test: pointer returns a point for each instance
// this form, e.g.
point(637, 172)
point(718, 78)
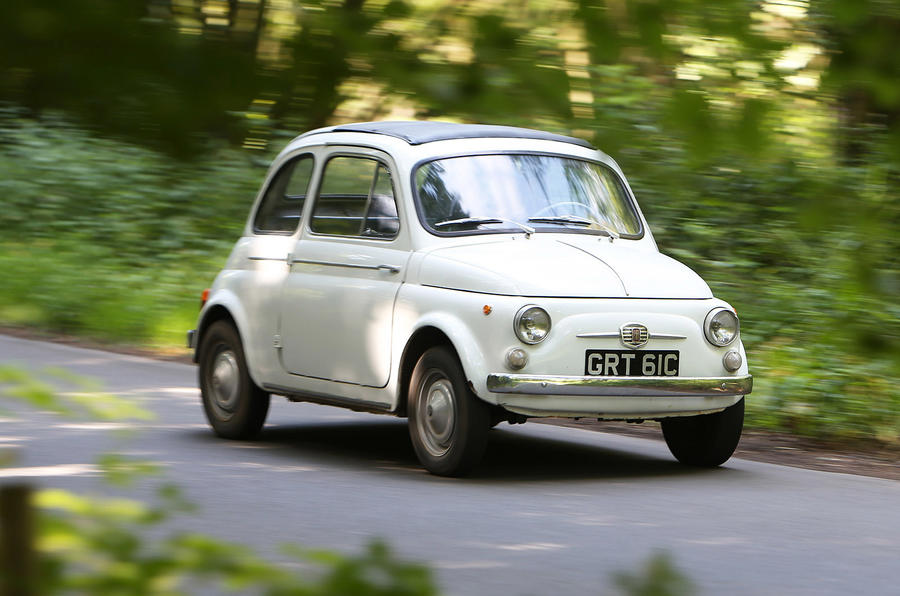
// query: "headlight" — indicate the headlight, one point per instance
point(721, 326)
point(532, 324)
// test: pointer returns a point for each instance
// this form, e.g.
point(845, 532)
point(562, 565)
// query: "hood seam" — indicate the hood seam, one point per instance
point(610, 267)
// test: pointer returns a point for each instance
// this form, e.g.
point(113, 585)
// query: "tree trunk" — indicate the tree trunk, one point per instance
point(17, 558)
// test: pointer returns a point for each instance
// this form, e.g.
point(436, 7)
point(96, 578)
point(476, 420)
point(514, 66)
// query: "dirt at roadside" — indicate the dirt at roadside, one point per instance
point(171, 354)
point(874, 460)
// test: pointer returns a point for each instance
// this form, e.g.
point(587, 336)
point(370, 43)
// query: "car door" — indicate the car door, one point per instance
point(266, 249)
point(346, 269)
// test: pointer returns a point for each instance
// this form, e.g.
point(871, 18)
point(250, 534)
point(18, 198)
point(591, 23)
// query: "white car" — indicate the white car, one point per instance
point(464, 275)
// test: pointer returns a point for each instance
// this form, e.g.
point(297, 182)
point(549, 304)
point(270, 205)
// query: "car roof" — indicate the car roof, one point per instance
point(421, 132)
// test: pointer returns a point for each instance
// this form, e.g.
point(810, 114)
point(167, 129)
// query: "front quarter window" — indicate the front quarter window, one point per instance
point(282, 204)
point(500, 193)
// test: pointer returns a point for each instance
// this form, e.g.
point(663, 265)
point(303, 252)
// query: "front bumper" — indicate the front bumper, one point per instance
point(616, 397)
point(620, 386)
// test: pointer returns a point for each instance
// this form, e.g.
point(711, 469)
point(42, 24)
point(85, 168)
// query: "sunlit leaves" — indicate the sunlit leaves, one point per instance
point(86, 400)
point(113, 546)
point(123, 471)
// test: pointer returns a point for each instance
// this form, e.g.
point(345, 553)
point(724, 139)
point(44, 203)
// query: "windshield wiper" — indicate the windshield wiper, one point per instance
point(572, 219)
point(483, 220)
point(575, 219)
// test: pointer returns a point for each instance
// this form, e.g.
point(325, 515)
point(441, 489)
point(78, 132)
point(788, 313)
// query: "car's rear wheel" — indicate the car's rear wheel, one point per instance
point(235, 407)
point(448, 424)
point(705, 441)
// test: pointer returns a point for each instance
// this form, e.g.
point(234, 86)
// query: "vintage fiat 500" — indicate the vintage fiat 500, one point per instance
point(461, 276)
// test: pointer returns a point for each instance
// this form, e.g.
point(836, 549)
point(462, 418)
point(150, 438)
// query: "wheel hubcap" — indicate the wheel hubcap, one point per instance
point(224, 382)
point(436, 413)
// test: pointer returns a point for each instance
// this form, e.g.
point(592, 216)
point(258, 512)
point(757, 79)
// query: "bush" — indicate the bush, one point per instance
point(109, 240)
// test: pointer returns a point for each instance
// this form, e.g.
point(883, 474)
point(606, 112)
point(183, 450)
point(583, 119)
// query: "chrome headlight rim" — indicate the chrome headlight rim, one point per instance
point(710, 319)
point(518, 318)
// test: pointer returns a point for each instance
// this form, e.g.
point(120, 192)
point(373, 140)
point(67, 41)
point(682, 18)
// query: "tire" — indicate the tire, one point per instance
point(235, 407)
point(448, 424)
point(705, 441)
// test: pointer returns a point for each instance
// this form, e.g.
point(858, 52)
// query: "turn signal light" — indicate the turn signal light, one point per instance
point(732, 361)
point(204, 296)
point(516, 359)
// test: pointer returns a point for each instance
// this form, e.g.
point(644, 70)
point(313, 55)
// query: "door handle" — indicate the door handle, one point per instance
point(260, 258)
point(391, 268)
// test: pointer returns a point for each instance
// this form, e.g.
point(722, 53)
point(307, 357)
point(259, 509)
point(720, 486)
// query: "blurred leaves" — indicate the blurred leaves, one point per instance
point(103, 546)
point(658, 576)
point(120, 470)
point(113, 546)
point(109, 238)
point(124, 69)
point(86, 401)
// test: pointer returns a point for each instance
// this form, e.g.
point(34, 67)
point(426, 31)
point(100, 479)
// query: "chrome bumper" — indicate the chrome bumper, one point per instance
point(620, 386)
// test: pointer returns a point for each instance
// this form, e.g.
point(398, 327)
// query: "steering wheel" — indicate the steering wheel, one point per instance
point(587, 208)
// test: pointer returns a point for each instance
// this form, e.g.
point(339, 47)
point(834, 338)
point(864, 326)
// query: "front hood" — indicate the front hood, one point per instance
point(560, 265)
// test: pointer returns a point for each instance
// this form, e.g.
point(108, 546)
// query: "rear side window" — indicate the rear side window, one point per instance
point(356, 198)
point(282, 205)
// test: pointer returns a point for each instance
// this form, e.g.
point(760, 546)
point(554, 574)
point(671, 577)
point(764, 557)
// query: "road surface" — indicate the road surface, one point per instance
point(551, 511)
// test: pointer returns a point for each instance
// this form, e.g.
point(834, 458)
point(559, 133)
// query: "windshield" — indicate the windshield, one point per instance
point(508, 192)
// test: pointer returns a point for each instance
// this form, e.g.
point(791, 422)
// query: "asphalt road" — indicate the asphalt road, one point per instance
point(551, 511)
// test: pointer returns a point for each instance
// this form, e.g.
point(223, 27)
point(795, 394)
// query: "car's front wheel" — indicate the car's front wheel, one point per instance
point(707, 440)
point(448, 424)
point(235, 407)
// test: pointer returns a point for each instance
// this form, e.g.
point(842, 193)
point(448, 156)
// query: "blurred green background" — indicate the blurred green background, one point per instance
point(761, 138)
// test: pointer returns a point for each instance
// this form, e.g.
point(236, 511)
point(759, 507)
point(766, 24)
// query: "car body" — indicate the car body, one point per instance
point(463, 275)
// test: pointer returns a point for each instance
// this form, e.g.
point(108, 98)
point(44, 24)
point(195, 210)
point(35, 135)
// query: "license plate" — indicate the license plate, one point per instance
point(631, 363)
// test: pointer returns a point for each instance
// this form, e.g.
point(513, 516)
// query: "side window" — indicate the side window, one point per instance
point(356, 198)
point(281, 207)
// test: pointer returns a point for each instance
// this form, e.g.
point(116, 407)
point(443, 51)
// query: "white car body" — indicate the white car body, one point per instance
point(338, 320)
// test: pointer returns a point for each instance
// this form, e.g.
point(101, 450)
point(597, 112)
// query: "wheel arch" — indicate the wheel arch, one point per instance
point(223, 306)
point(423, 339)
point(439, 330)
point(214, 313)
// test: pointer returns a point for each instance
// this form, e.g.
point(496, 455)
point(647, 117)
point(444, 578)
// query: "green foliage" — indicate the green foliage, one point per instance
point(657, 577)
point(108, 239)
point(86, 401)
point(120, 470)
point(18, 384)
point(99, 546)
point(124, 68)
point(118, 199)
point(89, 545)
point(377, 572)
